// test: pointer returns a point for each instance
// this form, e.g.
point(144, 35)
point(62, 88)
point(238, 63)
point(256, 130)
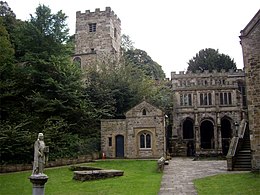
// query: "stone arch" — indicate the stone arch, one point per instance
point(207, 134)
point(188, 128)
point(226, 133)
point(145, 139)
point(77, 61)
point(144, 111)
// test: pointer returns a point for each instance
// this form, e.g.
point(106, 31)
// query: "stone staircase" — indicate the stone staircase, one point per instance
point(239, 153)
point(243, 157)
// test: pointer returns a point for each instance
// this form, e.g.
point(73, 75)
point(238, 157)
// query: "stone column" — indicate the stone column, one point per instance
point(197, 133)
point(219, 139)
point(197, 136)
point(38, 182)
point(219, 136)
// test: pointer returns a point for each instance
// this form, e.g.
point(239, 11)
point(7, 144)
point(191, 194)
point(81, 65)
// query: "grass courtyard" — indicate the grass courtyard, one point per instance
point(231, 184)
point(140, 177)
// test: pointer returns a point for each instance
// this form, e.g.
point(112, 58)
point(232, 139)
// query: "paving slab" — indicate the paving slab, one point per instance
point(178, 176)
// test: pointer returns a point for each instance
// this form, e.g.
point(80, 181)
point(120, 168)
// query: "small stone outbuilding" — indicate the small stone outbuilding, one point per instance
point(140, 135)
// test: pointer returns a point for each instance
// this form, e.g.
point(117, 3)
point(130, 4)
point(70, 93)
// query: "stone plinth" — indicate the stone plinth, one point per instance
point(96, 174)
point(38, 182)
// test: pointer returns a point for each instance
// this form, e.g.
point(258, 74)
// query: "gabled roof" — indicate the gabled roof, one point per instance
point(250, 26)
point(144, 105)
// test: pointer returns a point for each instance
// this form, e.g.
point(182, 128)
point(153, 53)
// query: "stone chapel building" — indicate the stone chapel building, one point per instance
point(140, 135)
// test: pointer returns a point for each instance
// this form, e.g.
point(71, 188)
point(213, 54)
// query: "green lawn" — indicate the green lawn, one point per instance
point(140, 177)
point(237, 183)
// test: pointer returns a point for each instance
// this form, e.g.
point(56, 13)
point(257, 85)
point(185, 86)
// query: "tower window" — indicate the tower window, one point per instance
point(115, 32)
point(92, 50)
point(92, 27)
point(144, 112)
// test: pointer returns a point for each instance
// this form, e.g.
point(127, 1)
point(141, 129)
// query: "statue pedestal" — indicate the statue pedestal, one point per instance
point(38, 182)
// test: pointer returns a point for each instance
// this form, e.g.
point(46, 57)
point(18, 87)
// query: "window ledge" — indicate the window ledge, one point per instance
point(145, 149)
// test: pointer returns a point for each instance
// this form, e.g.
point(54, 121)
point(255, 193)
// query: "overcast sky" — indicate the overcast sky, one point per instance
point(170, 31)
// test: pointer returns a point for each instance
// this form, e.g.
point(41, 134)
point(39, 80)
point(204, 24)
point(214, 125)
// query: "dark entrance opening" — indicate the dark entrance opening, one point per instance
point(190, 149)
point(226, 134)
point(120, 146)
point(207, 135)
point(188, 129)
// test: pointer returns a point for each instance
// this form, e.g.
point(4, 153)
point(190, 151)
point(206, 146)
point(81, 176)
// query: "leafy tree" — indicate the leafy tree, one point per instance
point(44, 93)
point(43, 36)
point(126, 43)
point(9, 21)
point(120, 88)
point(143, 61)
point(210, 59)
point(6, 71)
point(6, 50)
point(5, 10)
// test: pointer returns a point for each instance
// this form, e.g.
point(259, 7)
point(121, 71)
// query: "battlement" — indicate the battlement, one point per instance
point(206, 73)
point(108, 12)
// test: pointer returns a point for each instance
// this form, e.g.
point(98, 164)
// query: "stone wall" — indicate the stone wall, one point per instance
point(110, 128)
point(250, 41)
point(56, 163)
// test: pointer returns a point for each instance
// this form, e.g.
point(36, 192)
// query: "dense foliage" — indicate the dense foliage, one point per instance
point(143, 61)
point(43, 91)
point(210, 59)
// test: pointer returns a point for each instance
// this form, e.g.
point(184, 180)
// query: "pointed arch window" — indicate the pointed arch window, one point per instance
point(77, 61)
point(145, 140)
point(144, 111)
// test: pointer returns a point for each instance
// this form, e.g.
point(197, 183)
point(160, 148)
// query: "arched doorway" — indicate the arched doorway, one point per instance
point(226, 134)
point(77, 61)
point(120, 146)
point(207, 135)
point(188, 129)
point(188, 135)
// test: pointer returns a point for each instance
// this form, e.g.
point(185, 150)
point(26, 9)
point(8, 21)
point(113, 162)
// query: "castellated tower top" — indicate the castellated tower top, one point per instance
point(98, 34)
point(108, 12)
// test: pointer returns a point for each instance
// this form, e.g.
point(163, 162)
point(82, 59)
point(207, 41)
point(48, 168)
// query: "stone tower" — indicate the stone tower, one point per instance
point(250, 41)
point(98, 37)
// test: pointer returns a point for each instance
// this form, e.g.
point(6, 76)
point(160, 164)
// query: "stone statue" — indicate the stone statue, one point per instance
point(40, 155)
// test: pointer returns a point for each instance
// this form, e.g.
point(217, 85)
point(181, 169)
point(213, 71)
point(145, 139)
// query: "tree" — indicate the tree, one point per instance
point(126, 43)
point(5, 10)
point(210, 59)
point(143, 61)
point(121, 87)
point(43, 36)
point(6, 50)
point(44, 93)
